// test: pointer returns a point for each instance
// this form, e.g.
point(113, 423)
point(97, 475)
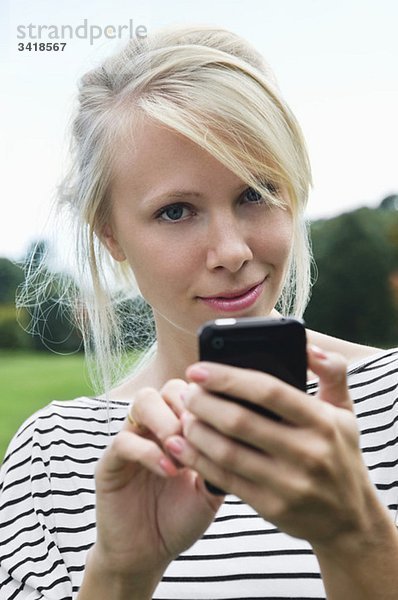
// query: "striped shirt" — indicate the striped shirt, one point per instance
point(47, 505)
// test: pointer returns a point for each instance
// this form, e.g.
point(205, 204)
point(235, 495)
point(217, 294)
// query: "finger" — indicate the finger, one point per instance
point(129, 452)
point(150, 410)
point(228, 454)
point(190, 456)
point(254, 386)
point(172, 393)
point(242, 424)
point(220, 460)
point(132, 424)
point(331, 369)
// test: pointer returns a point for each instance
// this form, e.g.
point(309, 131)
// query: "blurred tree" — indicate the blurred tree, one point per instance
point(389, 202)
point(352, 297)
point(37, 253)
point(11, 334)
point(52, 323)
point(47, 322)
point(11, 276)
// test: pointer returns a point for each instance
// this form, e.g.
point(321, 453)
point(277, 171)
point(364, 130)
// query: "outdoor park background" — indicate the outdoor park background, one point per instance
point(355, 297)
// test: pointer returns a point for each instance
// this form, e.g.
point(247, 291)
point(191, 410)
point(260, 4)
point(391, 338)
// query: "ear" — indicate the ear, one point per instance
point(109, 240)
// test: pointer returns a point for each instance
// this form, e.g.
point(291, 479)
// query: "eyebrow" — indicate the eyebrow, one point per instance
point(178, 194)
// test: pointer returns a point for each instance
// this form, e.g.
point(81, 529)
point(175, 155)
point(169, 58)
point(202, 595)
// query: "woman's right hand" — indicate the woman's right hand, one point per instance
point(149, 509)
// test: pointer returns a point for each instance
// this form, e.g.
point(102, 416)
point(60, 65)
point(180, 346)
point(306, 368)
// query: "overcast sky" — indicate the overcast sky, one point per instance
point(336, 62)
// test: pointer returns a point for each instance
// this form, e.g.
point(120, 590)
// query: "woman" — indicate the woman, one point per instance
point(191, 174)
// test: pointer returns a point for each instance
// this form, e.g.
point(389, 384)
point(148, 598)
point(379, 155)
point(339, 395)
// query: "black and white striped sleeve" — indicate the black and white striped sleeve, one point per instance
point(31, 565)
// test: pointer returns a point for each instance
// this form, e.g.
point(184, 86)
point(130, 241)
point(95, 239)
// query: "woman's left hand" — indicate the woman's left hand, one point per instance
point(305, 473)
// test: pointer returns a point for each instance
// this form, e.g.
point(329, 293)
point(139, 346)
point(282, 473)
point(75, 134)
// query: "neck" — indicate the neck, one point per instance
point(174, 354)
point(176, 350)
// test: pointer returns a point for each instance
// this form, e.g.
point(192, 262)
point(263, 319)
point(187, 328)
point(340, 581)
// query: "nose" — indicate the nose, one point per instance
point(227, 247)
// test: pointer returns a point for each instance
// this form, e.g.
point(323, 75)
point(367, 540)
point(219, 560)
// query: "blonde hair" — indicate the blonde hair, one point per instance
point(211, 86)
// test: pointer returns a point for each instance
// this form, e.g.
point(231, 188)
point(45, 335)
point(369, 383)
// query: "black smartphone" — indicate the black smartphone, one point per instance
point(274, 346)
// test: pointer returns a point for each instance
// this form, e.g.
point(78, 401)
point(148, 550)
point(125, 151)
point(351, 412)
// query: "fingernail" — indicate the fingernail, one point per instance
point(185, 398)
point(186, 419)
point(175, 445)
point(318, 352)
point(197, 372)
point(186, 394)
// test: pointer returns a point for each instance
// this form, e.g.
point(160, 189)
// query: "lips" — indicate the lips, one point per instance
point(234, 300)
point(235, 294)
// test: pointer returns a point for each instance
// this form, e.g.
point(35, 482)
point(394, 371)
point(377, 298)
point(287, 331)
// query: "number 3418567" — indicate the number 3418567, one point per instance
point(42, 46)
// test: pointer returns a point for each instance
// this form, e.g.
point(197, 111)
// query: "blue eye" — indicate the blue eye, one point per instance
point(252, 195)
point(174, 213)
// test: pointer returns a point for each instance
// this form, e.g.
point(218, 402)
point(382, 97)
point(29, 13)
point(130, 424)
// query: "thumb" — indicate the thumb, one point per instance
point(331, 369)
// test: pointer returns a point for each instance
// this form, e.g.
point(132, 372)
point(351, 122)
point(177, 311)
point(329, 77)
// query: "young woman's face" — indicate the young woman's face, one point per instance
point(200, 242)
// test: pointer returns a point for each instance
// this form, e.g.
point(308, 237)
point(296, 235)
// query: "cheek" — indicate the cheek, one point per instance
point(161, 264)
point(286, 240)
point(275, 239)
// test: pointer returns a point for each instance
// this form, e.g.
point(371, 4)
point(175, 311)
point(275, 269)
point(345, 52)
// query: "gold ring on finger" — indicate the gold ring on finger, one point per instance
point(134, 422)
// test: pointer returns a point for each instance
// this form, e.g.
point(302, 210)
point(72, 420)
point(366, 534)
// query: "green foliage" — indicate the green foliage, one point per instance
point(10, 277)
point(54, 328)
point(11, 334)
point(389, 203)
point(352, 297)
point(52, 322)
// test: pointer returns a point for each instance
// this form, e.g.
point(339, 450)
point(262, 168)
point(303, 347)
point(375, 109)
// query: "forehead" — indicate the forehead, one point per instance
point(153, 157)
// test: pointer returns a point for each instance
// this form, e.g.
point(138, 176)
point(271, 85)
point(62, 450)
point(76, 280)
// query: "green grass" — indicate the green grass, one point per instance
point(30, 380)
